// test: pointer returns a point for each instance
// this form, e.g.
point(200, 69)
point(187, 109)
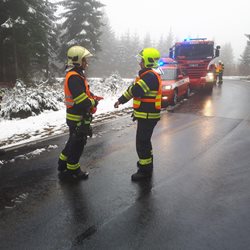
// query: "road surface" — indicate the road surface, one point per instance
point(198, 197)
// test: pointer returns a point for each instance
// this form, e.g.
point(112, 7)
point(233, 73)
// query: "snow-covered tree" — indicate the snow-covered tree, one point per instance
point(81, 25)
point(27, 35)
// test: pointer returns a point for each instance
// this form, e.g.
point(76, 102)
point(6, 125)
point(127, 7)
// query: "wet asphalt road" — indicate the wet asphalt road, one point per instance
point(198, 198)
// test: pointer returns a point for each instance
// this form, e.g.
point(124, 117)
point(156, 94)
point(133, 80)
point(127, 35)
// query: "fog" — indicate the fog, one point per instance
point(222, 21)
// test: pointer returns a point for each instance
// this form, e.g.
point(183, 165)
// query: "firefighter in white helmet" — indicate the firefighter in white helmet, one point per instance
point(79, 102)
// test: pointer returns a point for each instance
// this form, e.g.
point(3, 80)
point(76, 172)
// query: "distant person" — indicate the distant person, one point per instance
point(80, 104)
point(219, 72)
point(146, 94)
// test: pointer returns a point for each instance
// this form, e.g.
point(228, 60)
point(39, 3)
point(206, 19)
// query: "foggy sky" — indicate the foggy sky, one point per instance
point(220, 20)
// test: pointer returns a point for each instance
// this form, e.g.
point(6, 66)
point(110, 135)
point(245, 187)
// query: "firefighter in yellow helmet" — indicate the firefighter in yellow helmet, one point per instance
point(79, 103)
point(146, 93)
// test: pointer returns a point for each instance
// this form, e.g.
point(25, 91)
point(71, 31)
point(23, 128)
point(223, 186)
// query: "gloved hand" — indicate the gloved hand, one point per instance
point(93, 110)
point(96, 103)
point(116, 105)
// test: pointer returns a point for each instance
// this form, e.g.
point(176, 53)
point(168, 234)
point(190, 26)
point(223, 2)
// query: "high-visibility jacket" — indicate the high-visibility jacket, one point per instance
point(148, 106)
point(70, 101)
point(219, 68)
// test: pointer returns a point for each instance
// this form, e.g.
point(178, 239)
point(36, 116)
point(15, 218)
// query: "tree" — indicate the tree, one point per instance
point(128, 47)
point(27, 36)
point(81, 25)
point(227, 57)
point(244, 67)
point(165, 44)
point(105, 61)
point(147, 41)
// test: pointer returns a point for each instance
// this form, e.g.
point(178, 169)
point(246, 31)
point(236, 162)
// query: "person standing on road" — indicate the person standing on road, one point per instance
point(146, 93)
point(219, 71)
point(80, 104)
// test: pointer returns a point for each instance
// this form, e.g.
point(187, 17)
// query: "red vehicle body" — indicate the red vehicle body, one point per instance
point(175, 84)
point(196, 56)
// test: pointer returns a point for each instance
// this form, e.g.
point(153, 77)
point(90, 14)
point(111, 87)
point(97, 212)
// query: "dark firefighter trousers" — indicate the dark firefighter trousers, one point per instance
point(145, 128)
point(76, 142)
point(220, 77)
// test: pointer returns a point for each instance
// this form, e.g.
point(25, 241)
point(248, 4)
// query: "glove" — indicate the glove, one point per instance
point(93, 110)
point(96, 103)
point(116, 105)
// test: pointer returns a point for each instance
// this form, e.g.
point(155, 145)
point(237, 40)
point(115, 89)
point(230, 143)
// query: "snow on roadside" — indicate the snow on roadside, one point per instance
point(49, 123)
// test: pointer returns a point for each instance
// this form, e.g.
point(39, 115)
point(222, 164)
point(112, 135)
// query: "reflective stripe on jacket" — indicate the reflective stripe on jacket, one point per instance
point(151, 96)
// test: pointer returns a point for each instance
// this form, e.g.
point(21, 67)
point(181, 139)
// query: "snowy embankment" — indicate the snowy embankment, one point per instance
point(46, 111)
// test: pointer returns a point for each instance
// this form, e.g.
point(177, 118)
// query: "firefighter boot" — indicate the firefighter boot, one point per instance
point(142, 173)
point(62, 165)
point(77, 174)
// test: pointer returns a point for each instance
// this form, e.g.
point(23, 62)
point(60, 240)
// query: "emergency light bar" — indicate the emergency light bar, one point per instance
point(164, 61)
point(192, 39)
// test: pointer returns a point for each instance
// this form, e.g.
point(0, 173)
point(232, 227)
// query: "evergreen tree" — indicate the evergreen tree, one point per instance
point(244, 66)
point(169, 41)
point(161, 45)
point(106, 60)
point(226, 56)
point(135, 48)
point(147, 42)
point(26, 38)
point(124, 54)
point(165, 44)
point(128, 47)
point(81, 25)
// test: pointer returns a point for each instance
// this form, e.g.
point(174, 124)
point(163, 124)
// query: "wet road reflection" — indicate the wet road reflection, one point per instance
point(231, 100)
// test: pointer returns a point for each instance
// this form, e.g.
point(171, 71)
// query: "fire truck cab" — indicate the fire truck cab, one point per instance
point(196, 56)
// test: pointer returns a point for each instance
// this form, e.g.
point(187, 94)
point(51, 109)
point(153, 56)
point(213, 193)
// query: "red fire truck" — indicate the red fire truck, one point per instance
point(196, 56)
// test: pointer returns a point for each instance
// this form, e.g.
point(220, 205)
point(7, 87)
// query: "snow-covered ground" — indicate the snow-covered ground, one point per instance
point(51, 123)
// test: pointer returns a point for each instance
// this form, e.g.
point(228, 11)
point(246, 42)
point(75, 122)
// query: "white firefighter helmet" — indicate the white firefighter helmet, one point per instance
point(75, 55)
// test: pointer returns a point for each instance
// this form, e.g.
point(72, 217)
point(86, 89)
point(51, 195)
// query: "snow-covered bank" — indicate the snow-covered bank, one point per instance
point(49, 122)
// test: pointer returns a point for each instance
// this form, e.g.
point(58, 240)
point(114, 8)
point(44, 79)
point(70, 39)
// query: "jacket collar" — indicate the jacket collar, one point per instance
point(144, 70)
